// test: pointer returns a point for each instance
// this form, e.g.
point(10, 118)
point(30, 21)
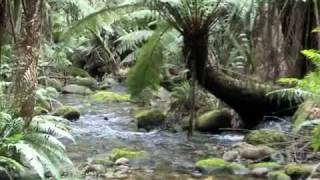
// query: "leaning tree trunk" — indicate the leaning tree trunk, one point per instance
point(248, 98)
point(26, 55)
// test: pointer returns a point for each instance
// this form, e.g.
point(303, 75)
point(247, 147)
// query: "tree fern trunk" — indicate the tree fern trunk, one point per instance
point(26, 54)
point(2, 23)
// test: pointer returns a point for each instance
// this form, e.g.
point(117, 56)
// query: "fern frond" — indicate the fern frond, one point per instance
point(11, 164)
point(132, 40)
point(146, 73)
point(106, 16)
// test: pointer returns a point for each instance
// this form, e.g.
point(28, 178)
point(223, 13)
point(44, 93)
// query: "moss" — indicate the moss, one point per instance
point(124, 153)
point(150, 119)
point(298, 170)
point(265, 137)
point(268, 165)
point(212, 165)
point(106, 96)
point(40, 111)
point(213, 120)
point(67, 112)
point(75, 71)
point(58, 85)
point(279, 175)
point(87, 82)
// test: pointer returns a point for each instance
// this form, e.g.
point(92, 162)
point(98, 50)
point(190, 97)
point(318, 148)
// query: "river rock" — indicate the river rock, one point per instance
point(216, 165)
point(68, 112)
point(76, 89)
point(278, 175)
point(212, 121)
point(122, 169)
point(122, 161)
point(269, 165)
point(94, 168)
point(150, 119)
point(108, 96)
point(84, 81)
point(260, 172)
point(250, 152)
point(230, 156)
point(265, 137)
point(297, 171)
point(116, 154)
point(107, 83)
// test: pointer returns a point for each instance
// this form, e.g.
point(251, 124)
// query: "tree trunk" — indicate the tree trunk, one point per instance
point(26, 54)
point(249, 99)
point(2, 24)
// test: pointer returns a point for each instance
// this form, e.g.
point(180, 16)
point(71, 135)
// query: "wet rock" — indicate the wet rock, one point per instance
point(107, 83)
point(84, 81)
point(150, 119)
point(77, 72)
point(297, 171)
point(255, 152)
point(230, 156)
point(122, 169)
point(269, 165)
point(125, 153)
point(76, 89)
point(212, 121)
point(260, 172)
point(122, 161)
point(58, 85)
point(40, 111)
point(278, 175)
point(107, 96)
point(94, 168)
point(104, 162)
point(265, 137)
point(216, 165)
point(67, 112)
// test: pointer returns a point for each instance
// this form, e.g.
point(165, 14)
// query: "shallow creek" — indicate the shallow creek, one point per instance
point(103, 127)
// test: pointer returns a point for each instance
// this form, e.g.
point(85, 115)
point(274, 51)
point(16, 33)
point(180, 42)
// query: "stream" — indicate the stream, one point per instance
point(103, 127)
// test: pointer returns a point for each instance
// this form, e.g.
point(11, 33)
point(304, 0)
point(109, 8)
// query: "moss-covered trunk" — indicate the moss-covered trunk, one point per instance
point(249, 99)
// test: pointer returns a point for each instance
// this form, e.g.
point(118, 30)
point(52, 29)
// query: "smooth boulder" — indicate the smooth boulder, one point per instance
point(150, 119)
point(212, 121)
point(76, 89)
point(68, 112)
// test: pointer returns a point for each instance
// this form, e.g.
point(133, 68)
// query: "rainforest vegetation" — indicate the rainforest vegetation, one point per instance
point(159, 89)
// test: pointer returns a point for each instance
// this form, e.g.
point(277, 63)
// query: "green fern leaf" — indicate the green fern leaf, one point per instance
point(146, 73)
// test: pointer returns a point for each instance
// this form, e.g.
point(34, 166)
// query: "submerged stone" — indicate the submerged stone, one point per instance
point(150, 119)
point(125, 153)
point(216, 165)
point(68, 112)
point(265, 137)
point(107, 96)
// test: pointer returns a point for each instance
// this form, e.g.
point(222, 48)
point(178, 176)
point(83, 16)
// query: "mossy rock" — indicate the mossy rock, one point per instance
point(86, 81)
point(107, 96)
point(58, 85)
point(68, 112)
point(278, 175)
point(76, 89)
point(212, 121)
point(75, 71)
point(40, 111)
point(298, 170)
point(150, 119)
point(125, 153)
point(217, 165)
point(268, 165)
point(265, 137)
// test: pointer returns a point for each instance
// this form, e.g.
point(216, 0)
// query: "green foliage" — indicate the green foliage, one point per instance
point(315, 143)
point(37, 147)
point(182, 93)
point(146, 73)
point(46, 97)
point(124, 153)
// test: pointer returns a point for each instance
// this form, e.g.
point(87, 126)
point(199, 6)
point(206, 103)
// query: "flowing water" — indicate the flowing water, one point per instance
point(103, 127)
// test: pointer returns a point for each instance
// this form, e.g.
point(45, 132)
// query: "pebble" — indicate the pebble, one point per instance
point(122, 161)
